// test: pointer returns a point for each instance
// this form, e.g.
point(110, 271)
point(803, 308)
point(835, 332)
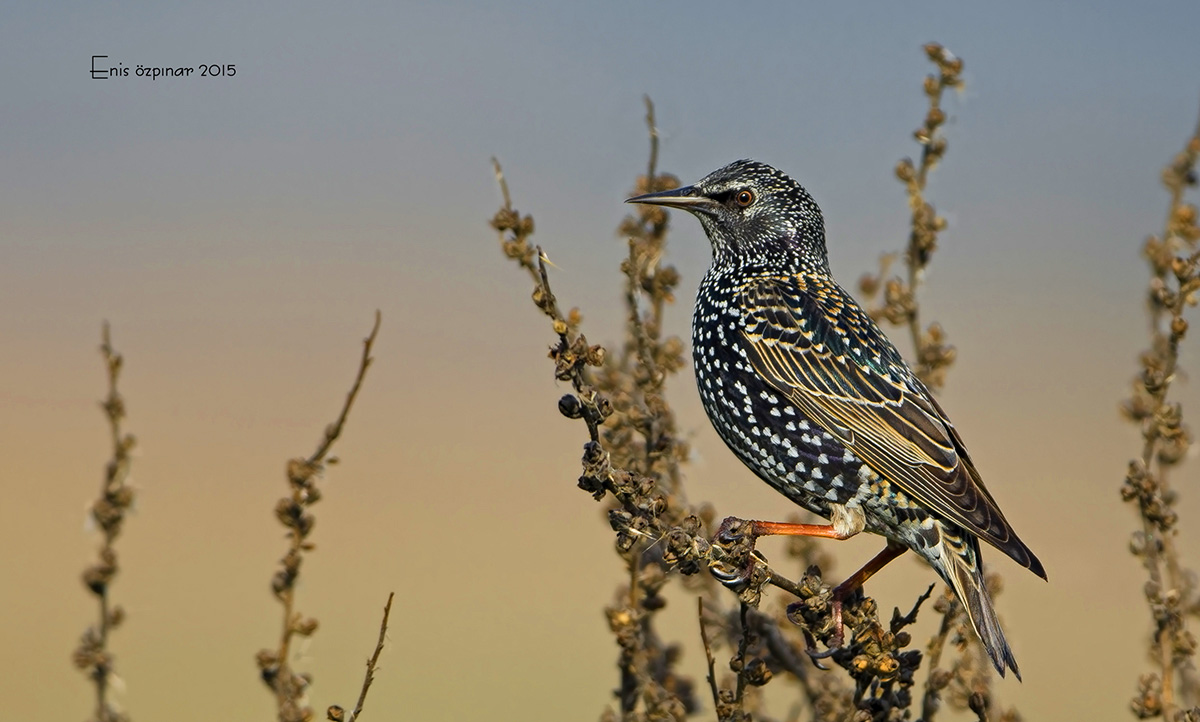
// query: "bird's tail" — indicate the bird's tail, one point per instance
point(961, 569)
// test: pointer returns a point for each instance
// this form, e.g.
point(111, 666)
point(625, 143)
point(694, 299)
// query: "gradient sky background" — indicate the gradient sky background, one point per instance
point(239, 232)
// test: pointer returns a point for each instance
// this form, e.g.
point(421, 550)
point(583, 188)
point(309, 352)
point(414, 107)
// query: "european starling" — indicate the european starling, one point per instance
point(811, 395)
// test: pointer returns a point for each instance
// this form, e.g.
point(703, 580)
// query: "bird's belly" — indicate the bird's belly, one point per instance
point(798, 457)
point(775, 439)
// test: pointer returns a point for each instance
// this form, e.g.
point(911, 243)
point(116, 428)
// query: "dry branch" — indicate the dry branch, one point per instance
point(292, 511)
point(1170, 591)
point(336, 713)
point(108, 512)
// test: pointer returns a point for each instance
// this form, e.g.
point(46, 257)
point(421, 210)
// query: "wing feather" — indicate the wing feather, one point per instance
point(822, 351)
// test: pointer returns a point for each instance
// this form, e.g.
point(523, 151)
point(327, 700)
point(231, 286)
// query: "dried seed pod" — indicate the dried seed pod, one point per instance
point(570, 407)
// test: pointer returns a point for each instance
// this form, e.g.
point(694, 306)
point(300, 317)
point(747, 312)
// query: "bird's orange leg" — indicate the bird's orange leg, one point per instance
point(733, 529)
point(779, 528)
point(734, 532)
point(853, 582)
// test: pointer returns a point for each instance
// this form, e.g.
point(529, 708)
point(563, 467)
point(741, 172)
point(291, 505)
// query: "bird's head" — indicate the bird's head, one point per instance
point(752, 213)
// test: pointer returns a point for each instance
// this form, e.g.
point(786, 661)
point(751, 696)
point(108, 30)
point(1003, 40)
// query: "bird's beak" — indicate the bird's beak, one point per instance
point(687, 198)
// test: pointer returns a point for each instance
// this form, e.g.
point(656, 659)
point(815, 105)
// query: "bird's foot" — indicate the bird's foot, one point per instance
point(735, 565)
point(836, 639)
point(810, 646)
point(734, 530)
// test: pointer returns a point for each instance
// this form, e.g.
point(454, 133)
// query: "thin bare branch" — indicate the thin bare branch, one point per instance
point(294, 513)
point(708, 655)
point(334, 430)
point(337, 714)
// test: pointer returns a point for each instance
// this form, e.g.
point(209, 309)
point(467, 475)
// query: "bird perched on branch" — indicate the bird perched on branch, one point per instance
point(811, 395)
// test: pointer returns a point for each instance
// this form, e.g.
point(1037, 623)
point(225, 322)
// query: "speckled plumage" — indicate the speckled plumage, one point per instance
point(812, 396)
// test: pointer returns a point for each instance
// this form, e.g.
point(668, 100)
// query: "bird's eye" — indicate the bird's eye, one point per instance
point(744, 198)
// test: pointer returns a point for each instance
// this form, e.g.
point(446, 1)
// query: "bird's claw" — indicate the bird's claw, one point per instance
point(731, 536)
point(836, 641)
point(731, 576)
point(810, 646)
point(733, 531)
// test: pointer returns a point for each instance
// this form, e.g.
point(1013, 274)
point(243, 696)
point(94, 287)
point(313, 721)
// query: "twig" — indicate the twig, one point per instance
point(1175, 280)
point(740, 659)
point(337, 714)
point(938, 678)
point(708, 655)
point(572, 355)
point(647, 358)
point(333, 431)
point(108, 511)
point(636, 456)
point(900, 307)
point(292, 511)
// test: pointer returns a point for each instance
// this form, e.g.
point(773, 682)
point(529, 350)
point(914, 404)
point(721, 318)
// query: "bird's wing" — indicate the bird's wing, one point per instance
point(819, 348)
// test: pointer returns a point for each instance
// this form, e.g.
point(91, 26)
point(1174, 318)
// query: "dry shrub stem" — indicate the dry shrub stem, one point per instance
point(293, 512)
point(937, 678)
point(967, 680)
point(336, 713)
point(708, 656)
point(900, 306)
point(1170, 590)
point(634, 459)
point(108, 512)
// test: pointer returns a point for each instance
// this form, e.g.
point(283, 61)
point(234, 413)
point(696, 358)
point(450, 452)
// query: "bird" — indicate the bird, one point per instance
point(809, 393)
